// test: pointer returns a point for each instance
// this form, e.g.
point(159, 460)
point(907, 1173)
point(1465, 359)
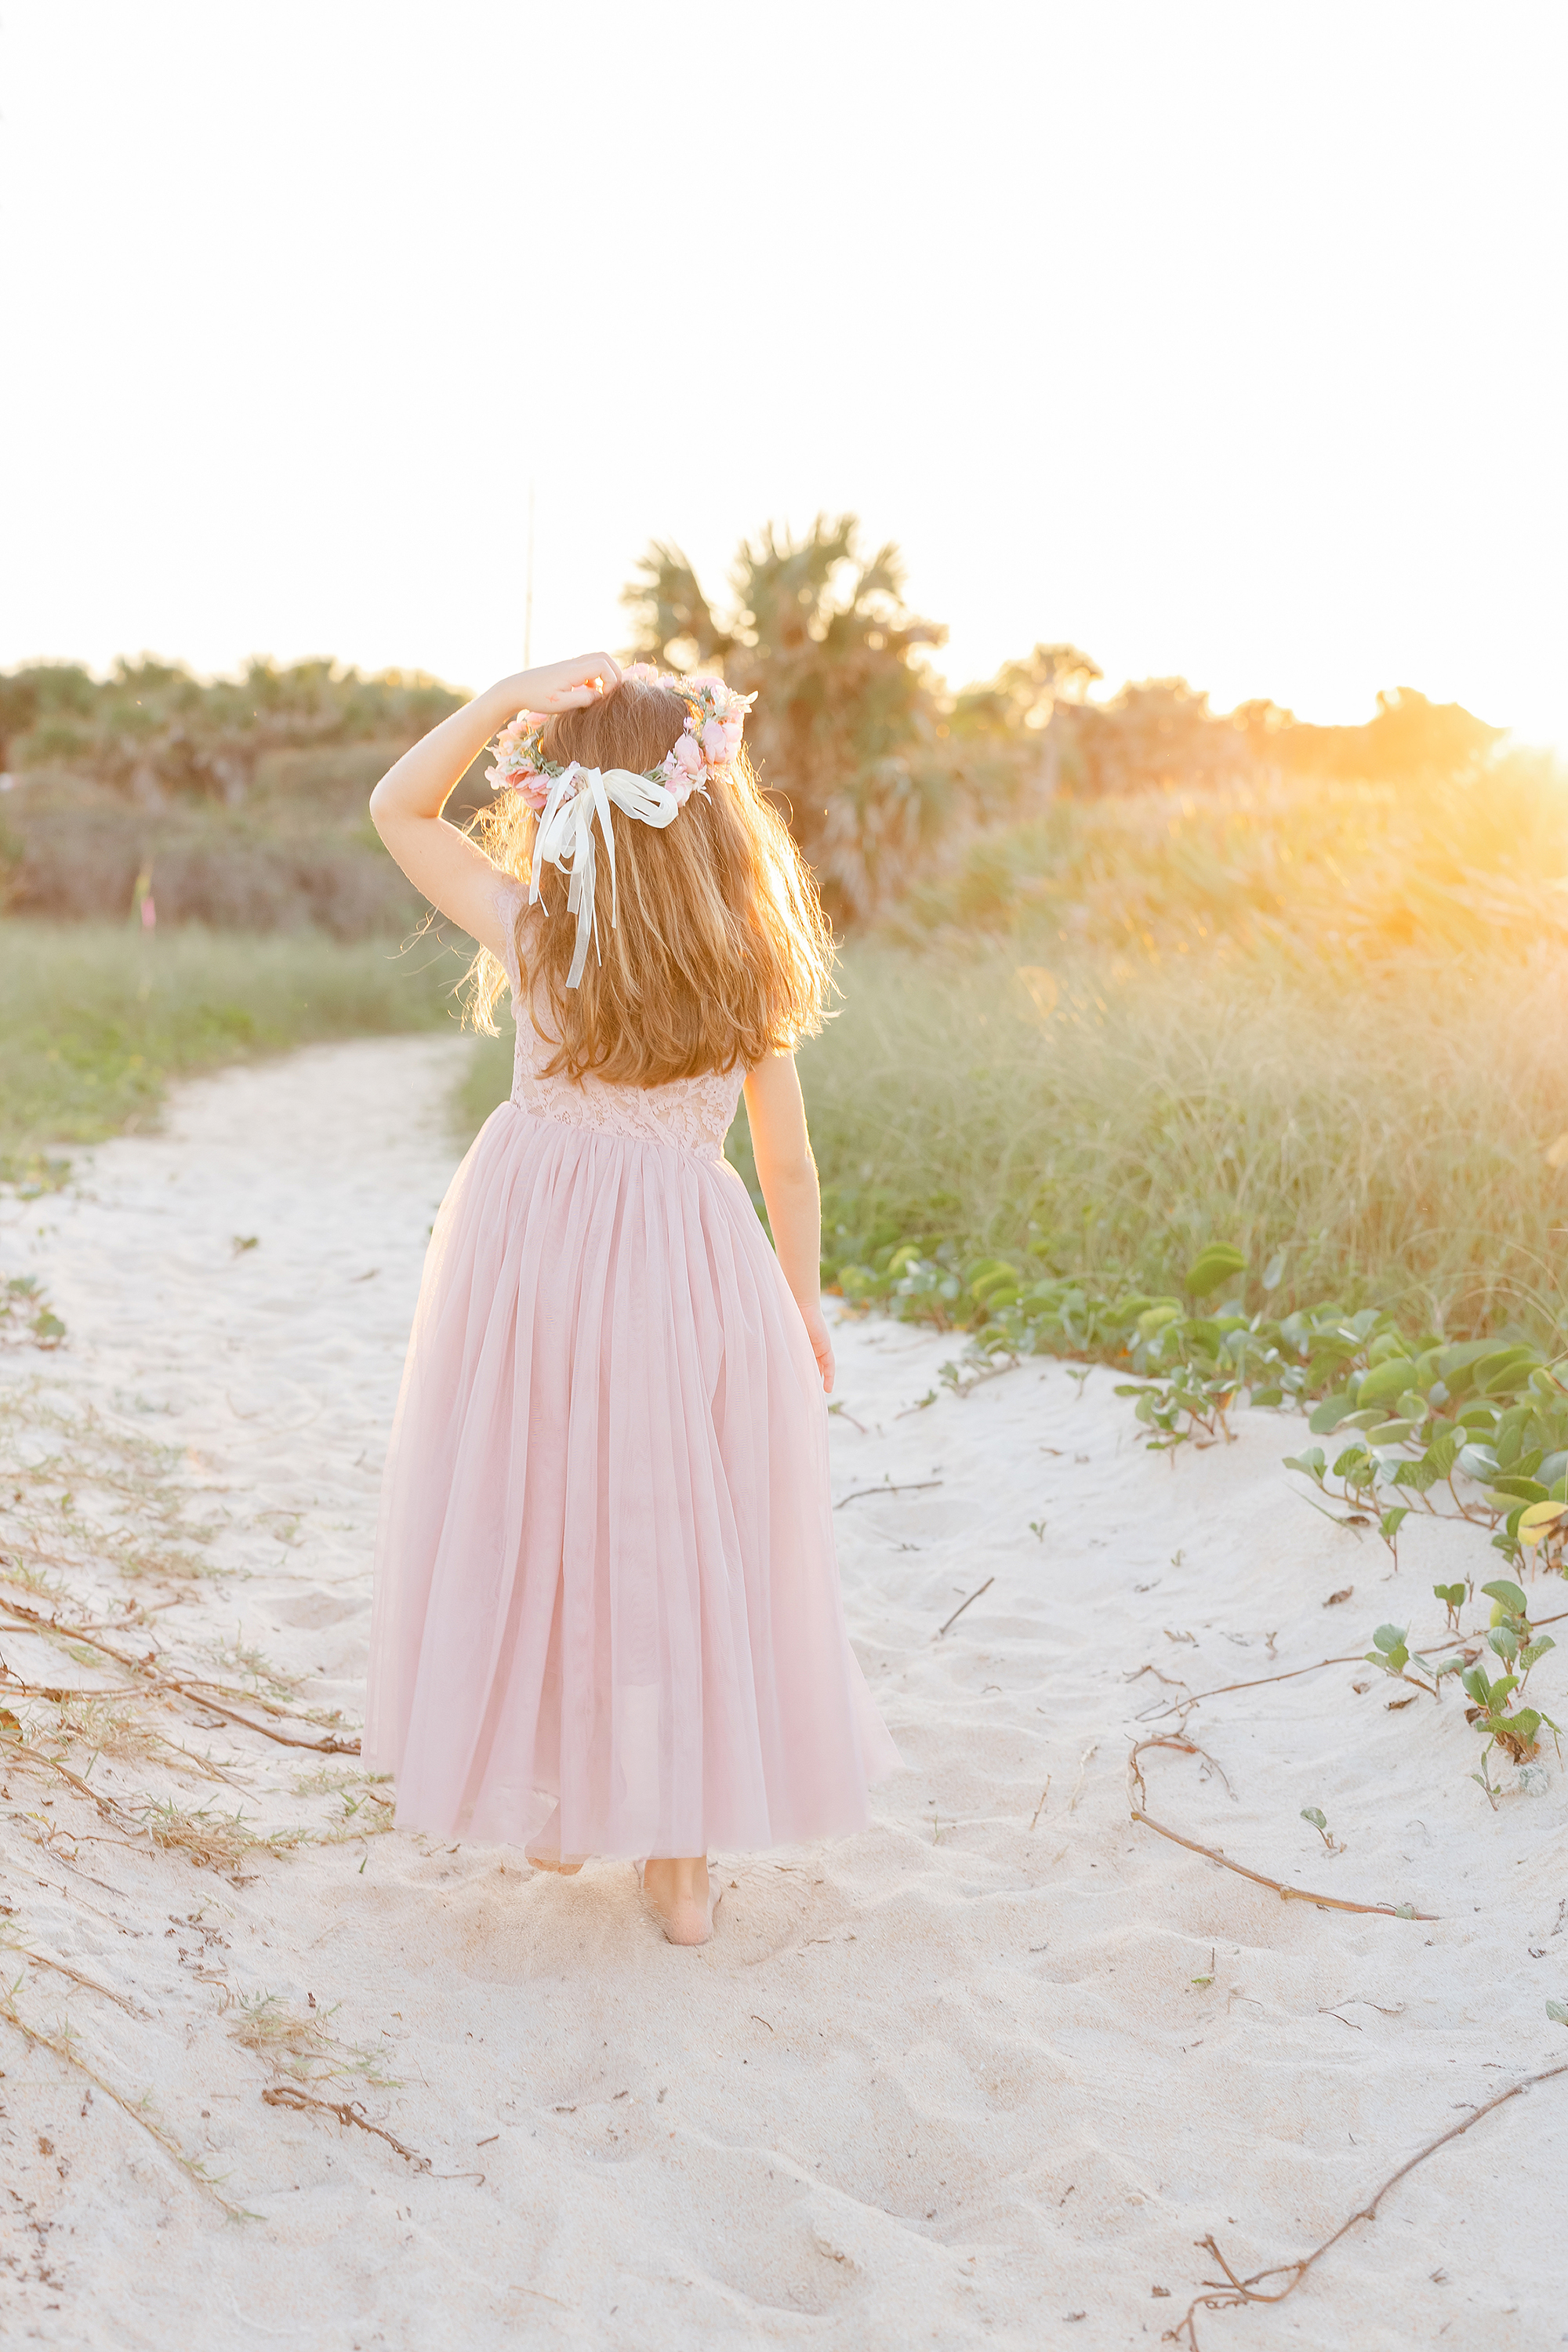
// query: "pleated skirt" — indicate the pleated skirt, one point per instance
point(607, 1617)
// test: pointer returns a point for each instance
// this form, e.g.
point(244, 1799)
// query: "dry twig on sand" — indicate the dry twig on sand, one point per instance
point(219, 1698)
point(200, 1694)
point(88, 1984)
point(1219, 2297)
point(212, 1841)
point(63, 2047)
point(346, 2111)
point(910, 1486)
point(1219, 1691)
point(29, 1758)
point(965, 1604)
point(1136, 1792)
point(1084, 1761)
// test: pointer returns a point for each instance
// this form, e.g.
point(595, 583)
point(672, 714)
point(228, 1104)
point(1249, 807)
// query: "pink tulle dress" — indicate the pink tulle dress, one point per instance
point(607, 1618)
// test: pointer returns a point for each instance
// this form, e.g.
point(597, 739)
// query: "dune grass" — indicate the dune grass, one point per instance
point(1395, 1133)
point(98, 1017)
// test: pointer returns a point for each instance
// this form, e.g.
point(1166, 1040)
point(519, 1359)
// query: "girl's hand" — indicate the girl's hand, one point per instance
point(565, 685)
point(821, 1344)
point(452, 870)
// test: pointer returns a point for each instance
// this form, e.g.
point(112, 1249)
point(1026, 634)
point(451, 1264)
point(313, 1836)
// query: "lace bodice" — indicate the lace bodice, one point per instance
point(694, 1113)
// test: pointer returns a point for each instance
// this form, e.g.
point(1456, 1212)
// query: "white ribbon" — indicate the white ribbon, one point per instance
point(565, 837)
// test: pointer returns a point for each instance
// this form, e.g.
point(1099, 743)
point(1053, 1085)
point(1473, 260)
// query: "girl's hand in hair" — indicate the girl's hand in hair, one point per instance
point(565, 685)
point(451, 870)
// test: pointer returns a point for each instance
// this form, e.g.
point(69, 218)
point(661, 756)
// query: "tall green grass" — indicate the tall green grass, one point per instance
point(96, 1018)
point(1394, 1131)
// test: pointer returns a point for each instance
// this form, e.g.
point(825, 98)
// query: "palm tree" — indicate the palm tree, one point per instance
point(844, 733)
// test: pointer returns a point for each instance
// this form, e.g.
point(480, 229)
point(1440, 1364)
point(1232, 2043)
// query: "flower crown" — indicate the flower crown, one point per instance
point(715, 716)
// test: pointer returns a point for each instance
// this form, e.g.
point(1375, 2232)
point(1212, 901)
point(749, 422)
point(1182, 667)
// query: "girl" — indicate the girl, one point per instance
point(607, 1618)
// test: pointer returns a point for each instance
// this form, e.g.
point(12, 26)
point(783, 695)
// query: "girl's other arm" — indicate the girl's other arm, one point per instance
point(787, 1173)
point(453, 871)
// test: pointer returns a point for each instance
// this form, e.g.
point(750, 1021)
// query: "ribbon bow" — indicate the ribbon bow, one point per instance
point(565, 837)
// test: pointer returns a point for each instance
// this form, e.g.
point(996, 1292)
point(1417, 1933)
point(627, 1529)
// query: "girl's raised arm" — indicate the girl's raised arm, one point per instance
point(451, 870)
point(787, 1174)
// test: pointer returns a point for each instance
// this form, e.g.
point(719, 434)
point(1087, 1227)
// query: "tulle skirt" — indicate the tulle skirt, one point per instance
point(607, 1618)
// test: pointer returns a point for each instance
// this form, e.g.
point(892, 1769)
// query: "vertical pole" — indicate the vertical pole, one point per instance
point(528, 607)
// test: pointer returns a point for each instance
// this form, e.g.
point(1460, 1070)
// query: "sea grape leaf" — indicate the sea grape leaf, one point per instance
point(1384, 1381)
point(1212, 1267)
point(1505, 1368)
point(1519, 1490)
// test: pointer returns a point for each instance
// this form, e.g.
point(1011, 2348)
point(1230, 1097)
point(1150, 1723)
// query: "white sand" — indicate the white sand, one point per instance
point(951, 2082)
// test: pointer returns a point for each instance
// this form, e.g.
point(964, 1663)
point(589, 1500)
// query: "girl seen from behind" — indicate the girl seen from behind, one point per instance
point(607, 1619)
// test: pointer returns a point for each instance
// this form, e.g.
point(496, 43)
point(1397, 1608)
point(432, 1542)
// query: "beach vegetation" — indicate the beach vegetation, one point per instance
point(213, 1841)
point(77, 1494)
point(298, 2043)
point(25, 1315)
point(100, 1017)
point(154, 731)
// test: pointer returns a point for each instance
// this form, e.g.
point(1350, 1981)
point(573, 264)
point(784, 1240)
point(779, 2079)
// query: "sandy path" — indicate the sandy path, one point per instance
point(949, 2084)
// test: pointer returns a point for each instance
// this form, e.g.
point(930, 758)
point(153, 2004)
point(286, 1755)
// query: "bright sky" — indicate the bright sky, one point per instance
point(1222, 338)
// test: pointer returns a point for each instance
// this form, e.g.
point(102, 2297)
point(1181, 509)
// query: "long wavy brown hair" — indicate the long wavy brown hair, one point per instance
point(721, 953)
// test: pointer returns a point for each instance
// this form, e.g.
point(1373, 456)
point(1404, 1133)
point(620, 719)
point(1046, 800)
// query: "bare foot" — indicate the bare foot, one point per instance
point(677, 1888)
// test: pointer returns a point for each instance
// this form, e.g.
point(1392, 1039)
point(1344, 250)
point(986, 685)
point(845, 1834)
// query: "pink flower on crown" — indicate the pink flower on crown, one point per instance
point(716, 741)
point(688, 757)
point(534, 789)
point(674, 778)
